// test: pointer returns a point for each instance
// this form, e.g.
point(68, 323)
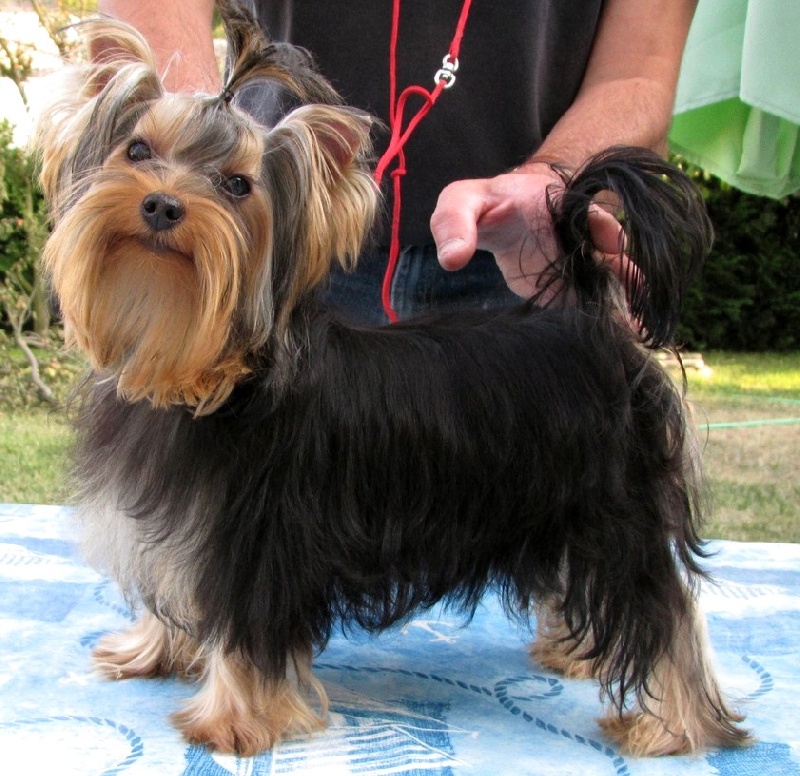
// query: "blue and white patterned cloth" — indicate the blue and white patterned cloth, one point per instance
point(430, 698)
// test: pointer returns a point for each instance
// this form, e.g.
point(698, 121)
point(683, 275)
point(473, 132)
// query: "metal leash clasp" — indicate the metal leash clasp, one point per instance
point(446, 75)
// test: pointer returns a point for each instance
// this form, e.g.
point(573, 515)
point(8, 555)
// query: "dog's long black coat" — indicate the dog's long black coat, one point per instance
point(534, 450)
point(541, 452)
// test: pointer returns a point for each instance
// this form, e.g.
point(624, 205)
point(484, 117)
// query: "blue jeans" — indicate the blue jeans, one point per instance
point(419, 284)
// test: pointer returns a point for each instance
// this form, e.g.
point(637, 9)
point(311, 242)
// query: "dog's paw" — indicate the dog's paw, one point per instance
point(688, 730)
point(147, 649)
point(645, 735)
point(227, 733)
point(124, 656)
point(561, 658)
point(239, 726)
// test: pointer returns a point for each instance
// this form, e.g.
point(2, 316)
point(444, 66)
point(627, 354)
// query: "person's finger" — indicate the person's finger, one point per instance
point(608, 238)
point(606, 232)
point(454, 223)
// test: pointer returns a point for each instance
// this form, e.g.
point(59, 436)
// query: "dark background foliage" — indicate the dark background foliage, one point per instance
point(16, 173)
point(748, 296)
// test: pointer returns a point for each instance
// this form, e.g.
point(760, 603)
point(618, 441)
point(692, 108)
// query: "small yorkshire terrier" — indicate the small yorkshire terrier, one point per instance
point(254, 472)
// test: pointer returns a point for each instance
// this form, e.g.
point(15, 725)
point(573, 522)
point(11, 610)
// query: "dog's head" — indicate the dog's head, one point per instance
point(186, 233)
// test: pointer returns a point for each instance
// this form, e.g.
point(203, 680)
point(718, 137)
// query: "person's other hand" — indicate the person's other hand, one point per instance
point(508, 215)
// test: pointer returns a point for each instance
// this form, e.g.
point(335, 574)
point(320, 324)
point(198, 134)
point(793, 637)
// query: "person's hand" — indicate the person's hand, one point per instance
point(508, 215)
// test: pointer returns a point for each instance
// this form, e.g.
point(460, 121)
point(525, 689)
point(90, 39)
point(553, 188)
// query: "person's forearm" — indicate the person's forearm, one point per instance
point(628, 92)
point(179, 32)
point(640, 117)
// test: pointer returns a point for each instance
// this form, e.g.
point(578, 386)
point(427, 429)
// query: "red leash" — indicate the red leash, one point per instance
point(444, 79)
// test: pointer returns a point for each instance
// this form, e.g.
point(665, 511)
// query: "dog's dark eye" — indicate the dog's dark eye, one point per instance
point(237, 185)
point(139, 151)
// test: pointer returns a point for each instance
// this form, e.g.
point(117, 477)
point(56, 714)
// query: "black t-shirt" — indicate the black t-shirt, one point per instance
point(520, 66)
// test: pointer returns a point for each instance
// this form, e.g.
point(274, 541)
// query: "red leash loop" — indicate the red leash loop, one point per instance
point(444, 79)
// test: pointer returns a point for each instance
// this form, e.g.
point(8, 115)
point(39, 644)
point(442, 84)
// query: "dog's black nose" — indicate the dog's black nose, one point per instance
point(161, 211)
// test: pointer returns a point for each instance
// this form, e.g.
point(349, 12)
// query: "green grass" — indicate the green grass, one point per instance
point(747, 408)
point(752, 466)
point(34, 449)
point(34, 436)
point(751, 375)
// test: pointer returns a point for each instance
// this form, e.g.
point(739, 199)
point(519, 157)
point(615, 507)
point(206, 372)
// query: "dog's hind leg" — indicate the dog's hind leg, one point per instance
point(683, 709)
point(556, 649)
point(238, 710)
point(149, 648)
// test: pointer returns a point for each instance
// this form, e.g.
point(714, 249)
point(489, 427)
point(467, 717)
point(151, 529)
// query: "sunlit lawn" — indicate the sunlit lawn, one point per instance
point(748, 413)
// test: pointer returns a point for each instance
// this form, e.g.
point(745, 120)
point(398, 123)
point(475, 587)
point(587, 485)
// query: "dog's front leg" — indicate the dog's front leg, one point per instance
point(149, 648)
point(239, 710)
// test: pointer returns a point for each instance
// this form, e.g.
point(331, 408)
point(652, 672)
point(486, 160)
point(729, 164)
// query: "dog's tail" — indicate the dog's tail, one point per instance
point(665, 237)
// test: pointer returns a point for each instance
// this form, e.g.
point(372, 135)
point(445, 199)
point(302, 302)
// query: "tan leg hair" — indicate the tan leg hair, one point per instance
point(149, 648)
point(688, 712)
point(238, 710)
point(556, 649)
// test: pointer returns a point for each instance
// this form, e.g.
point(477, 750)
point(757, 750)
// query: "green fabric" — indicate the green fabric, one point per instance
point(737, 108)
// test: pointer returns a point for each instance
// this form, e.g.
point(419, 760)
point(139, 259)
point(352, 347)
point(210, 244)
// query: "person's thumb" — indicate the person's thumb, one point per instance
point(606, 232)
point(454, 223)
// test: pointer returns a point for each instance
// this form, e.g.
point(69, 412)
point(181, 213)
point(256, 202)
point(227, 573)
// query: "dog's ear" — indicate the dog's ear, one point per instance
point(346, 196)
point(99, 103)
point(251, 57)
point(324, 198)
